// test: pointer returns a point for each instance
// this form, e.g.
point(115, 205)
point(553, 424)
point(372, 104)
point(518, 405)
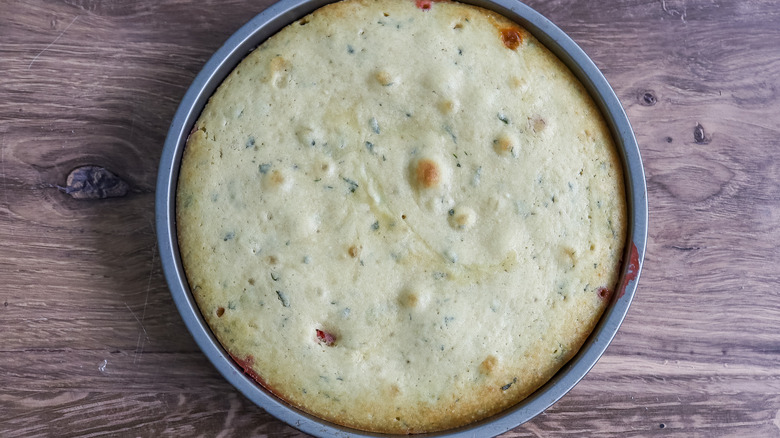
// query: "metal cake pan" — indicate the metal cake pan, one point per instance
point(271, 21)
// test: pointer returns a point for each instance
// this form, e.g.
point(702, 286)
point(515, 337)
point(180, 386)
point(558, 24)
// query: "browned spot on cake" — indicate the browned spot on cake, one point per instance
point(272, 260)
point(488, 365)
point(589, 134)
point(447, 106)
point(504, 145)
point(354, 251)
point(220, 311)
point(278, 64)
point(408, 299)
point(511, 37)
point(277, 178)
point(462, 220)
point(516, 82)
point(384, 78)
point(428, 173)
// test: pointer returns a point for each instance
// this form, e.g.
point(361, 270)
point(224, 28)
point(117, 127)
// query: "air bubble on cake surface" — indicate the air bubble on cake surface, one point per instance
point(304, 225)
point(488, 365)
point(279, 71)
point(500, 242)
point(309, 136)
point(322, 168)
point(506, 144)
point(322, 293)
point(448, 106)
point(496, 203)
point(518, 83)
point(413, 297)
point(588, 135)
point(462, 217)
point(442, 81)
point(384, 78)
point(567, 257)
point(354, 250)
point(434, 204)
point(278, 179)
point(254, 246)
point(429, 173)
point(537, 123)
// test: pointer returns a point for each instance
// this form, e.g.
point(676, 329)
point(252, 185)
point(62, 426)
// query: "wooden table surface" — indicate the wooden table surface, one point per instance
point(92, 345)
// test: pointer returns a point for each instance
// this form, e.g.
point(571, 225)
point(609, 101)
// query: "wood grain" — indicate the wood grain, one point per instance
point(93, 346)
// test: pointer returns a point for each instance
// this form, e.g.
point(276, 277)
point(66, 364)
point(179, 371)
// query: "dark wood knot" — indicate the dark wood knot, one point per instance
point(647, 98)
point(699, 136)
point(94, 182)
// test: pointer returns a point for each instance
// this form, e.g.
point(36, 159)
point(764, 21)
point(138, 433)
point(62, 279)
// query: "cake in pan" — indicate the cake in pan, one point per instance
point(401, 216)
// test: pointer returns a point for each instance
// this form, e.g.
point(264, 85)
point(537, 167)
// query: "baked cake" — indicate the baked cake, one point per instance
point(401, 216)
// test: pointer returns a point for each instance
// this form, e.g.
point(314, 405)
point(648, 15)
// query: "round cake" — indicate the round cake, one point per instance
point(401, 216)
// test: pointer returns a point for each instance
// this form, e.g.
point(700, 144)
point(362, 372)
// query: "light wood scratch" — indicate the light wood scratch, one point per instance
point(777, 419)
point(530, 427)
point(673, 12)
point(2, 163)
point(138, 345)
point(235, 405)
point(142, 341)
point(132, 126)
point(139, 321)
point(149, 282)
point(53, 42)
